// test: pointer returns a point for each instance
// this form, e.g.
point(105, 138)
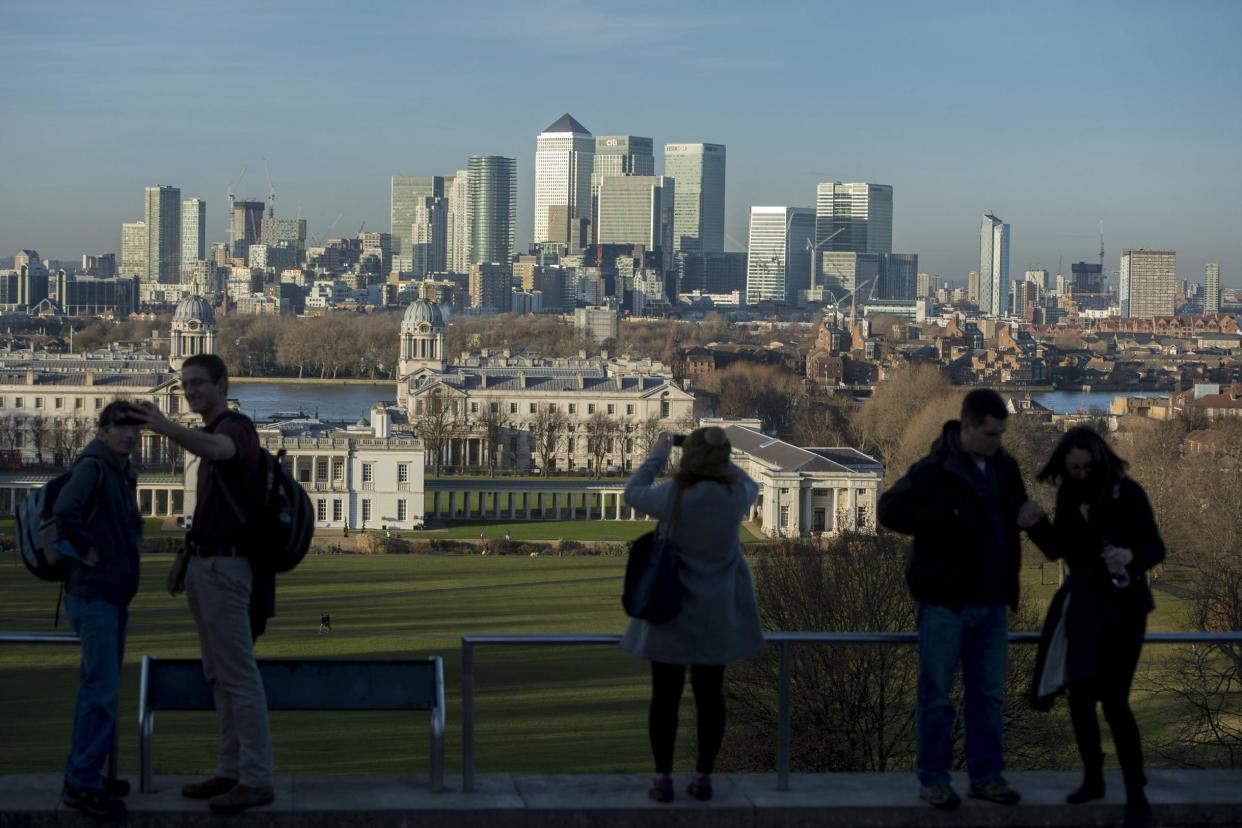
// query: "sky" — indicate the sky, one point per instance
point(1056, 116)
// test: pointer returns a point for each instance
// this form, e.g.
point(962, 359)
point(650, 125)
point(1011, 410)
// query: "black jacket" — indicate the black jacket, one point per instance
point(1097, 608)
point(99, 484)
point(938, 503)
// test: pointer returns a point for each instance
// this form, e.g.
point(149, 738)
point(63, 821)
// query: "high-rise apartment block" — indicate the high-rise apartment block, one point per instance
point(162, 214)
point(429, 242)
point(134, 249)
point(492, 197)
point(1211, 287)
point(993, 267)
point(699, 214)
point(490, 287)
point(407, 194)
point(778, 264)
point(638, 210)
point(193, 235)
point(972, 287)
point(856, 217)
point(1148, 283)
point(564, 162)
point(457, 222)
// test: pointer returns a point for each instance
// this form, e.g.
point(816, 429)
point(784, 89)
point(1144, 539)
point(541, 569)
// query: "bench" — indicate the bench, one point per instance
point(301, 684)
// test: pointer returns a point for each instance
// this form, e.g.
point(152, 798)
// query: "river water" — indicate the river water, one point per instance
point(261, 400)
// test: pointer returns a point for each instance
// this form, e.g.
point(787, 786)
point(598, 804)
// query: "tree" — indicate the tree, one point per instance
point(436, 423)
point(11, 427)
point(822, 418)
point(763, 391)
point(647, 432)
point(881, 423)
point(39, 434)
point(495, 424)
point(547, 430)
point(601, 430)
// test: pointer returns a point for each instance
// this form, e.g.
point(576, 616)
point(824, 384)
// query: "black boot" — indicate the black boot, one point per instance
point(1092, 787)
point(1138, 810)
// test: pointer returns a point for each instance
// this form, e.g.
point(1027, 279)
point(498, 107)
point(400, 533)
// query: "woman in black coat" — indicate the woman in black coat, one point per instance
point(1105, 531)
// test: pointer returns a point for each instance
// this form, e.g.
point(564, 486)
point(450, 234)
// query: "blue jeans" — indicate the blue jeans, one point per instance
point(101, 627)
point(977, 638)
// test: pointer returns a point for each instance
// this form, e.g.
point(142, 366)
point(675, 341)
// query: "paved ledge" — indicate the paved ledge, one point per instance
point(858, 800)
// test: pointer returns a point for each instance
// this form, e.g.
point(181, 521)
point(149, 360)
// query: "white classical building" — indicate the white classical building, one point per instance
point(513, 409)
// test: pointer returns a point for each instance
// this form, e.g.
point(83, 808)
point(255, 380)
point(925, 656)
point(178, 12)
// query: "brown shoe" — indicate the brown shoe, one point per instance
point(241, 798)
point(208, 788)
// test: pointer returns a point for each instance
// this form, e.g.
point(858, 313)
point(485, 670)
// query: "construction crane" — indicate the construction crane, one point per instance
point(229, 220)
point(271, 192)
point(320, 238)
point(361, 227)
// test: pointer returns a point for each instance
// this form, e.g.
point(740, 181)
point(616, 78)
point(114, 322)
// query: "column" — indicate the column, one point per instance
point(435, 504)
point(808, 513)
point(834, 519)
point(512, 505)
point(496, 504)
point(556, 499)
point(526, 503)
point(452, 503)
point(853, 519)
point(616, 502)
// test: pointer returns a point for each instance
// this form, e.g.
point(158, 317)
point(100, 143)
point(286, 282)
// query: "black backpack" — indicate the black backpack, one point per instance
point(281, 522)
point(38, 532)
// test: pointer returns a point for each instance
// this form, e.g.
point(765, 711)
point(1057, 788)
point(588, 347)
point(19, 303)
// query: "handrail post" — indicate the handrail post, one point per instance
point(145, 727)
point(467, 715)
point(782, 720)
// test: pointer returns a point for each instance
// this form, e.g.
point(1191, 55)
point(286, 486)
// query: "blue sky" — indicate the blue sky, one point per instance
point(1053, 115)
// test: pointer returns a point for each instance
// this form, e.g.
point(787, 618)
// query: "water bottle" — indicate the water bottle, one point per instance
point(1120, 577)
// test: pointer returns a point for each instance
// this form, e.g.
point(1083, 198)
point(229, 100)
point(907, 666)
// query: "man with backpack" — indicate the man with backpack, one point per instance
point(97, 515)
point(231, 587)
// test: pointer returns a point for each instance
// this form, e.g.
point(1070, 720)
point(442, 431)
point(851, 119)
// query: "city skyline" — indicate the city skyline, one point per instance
point(1037, 167)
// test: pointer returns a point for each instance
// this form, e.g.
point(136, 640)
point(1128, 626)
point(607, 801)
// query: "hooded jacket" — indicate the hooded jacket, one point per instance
point(939, 503)
point(114, 528)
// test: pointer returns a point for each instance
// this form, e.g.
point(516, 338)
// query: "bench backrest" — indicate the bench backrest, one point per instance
point(301, 684)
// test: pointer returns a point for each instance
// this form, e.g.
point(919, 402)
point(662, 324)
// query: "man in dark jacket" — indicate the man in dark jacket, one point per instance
point(964, 504)
point(97, 513)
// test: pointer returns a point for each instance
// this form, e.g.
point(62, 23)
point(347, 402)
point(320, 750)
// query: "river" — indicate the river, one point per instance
point(261, 400)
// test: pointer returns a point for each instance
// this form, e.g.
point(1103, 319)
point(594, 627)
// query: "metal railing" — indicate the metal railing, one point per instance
point(784, 642)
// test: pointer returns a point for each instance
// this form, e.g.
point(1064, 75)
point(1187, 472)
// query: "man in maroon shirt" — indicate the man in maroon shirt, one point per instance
point(220, 574)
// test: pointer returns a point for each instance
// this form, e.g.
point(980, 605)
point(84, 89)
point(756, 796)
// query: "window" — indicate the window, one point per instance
point(665, 408)
point(338, 468)
point(512, 408)
point(1, 402)
point(573, 409)
point(551, 406)
point(494, 408)
point(321, 510)
point(403, 472)
point(474, 408)
point(368, 473)
point(366, 510)
point(336, 510)
point(532, 408)
point(17, 402)
point(98, 403)
point(78, 403)
point(59, 402)
point(819, 492)
point(612, 409)
point(38, 402)
point(590, 408)
point(629, 409)
point(784, 516)
point(321, 473)
point(400, 510)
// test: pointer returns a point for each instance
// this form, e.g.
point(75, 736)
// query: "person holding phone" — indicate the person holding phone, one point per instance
point(1105, 531)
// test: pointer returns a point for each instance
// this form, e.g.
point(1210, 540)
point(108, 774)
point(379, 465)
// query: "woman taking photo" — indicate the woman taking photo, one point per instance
point(719, 619)
point(1105, 531)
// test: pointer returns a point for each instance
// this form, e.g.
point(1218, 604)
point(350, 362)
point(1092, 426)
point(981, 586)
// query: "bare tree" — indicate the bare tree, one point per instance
point(601, 431)
point(39, 433)
point(547, 431)
point(647, 432)
point(436, 423)
point(495, 425)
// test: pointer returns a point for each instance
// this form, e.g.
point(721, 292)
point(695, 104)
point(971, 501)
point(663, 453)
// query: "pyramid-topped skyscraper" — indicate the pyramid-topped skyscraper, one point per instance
point(564, 159)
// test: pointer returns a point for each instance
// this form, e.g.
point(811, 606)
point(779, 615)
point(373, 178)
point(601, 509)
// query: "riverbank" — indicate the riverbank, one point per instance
point(307, 381)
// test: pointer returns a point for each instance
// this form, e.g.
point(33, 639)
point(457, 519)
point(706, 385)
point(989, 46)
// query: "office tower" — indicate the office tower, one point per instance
point(490, 287)
point(925, 287)
point(899, 276)
point(638, 210)
point(842, 273)
point(859, 214)
point(711, 272)
point(777, 262)
point(492, 196)
point(570, 235)
point(972, 287)
point(380, 248)
point(698, 217)
point(429, 240)
point(1038, 277)
point(193, 233)
point(993, 267)
point(101, 266)
point(245, 227)
point(457, 222)
point(1088, 277)
point(1148, 283)
point(1025, 297)
point(162, 214)
point(619, 155)
point(564, 161)
point(1211, 288)
point(134, 249)
point(407, 193)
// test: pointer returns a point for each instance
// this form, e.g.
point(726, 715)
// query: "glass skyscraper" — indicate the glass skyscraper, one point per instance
point(193, 233)
point(409, 192)
point(699, 214)
point(859, 214)
point(162, 215)
point(492, 194)
point(993, 267)
point(778, 263)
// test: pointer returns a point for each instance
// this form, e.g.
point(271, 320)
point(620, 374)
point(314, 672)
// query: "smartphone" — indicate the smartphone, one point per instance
point(679, 439)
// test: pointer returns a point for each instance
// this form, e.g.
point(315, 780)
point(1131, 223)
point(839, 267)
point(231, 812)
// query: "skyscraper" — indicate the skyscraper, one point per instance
point(429, 242)
point(993, 267)
point(162, 214)
point(1148, 283)
point(193, 233)
point(698, 217)
point(245, 227)
point(134, 249)
point(638, 210)
point(492, 196)
point(777, 262)
point(861, 212)
point(457, 232)
point(619, 155)
point(564, 161)
point(408, 192)
point(1211, 288)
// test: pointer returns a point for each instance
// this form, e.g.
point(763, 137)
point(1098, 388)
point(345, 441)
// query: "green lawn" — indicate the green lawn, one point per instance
point(549, 530)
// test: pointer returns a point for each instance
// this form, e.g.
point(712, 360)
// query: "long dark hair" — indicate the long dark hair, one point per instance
point(1107, 469)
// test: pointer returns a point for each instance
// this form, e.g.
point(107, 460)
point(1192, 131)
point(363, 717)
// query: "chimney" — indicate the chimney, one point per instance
point(581, 381)
point(521, 380)
point(483, 379)
point(90, 378)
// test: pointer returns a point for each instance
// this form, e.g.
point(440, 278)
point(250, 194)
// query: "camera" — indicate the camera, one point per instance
point(679, 439)
point(128, 416)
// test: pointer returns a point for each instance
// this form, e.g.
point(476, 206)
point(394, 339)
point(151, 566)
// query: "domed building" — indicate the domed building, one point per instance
point(193, 331)
point(422, 338)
